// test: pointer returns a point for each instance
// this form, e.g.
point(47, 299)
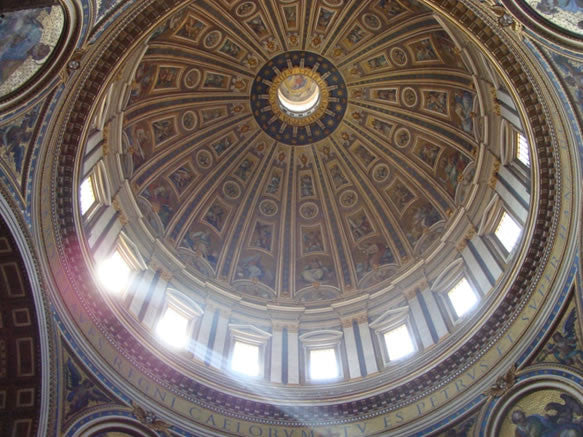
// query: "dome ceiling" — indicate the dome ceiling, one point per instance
point(246, 216)
point(319, 207)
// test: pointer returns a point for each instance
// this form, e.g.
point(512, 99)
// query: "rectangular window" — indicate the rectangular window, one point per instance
point(245, 359)
point(399, 343)
point(462, 297)
point(86, 195)
point(172, 328)
point(508, 232)
point(522, 152)
point(323, 364)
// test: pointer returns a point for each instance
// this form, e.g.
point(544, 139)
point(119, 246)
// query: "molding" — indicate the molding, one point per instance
point(389, 319)
point(25, 244)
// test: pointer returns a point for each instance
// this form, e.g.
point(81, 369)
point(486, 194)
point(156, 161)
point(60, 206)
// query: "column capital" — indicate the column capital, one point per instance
point(411, 292)
point(280, 325)
point(346, 322)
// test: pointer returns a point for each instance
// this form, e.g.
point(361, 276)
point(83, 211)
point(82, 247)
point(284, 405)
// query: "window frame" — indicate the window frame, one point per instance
point(129, 253)
point(455, 317)
point(91, 209)
point(100, 185)
point(500, 247)
point(260, 361)
point(388, 321)
point(185, 307)
point(488, 228)
point(515, 165)
point(320, 340)
point(309, 359)
point(187, 328)
point(250, 335)
point(518, 136)
point(121, 292)
point(407, 326)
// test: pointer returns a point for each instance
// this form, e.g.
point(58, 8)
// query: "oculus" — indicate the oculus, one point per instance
point(298, 95)
point(298, 98)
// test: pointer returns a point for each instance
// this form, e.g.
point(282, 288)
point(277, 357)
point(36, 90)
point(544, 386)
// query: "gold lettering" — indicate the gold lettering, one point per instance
point(192, 412)
point(117, 362)
point(160, 394)
point(143, 384)
point(459, 383)
point(255, 431)
point(445, 393)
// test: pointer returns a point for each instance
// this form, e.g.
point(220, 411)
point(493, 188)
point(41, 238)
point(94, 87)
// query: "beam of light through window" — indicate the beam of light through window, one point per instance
point(399, 343)
point(171, 328)
point(114, 273)
point(86, 195)
point(323, 364)
point(508, 232)
point(245, 359)
point(462, 297)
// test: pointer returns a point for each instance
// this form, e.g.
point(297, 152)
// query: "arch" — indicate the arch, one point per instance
point(29, 315)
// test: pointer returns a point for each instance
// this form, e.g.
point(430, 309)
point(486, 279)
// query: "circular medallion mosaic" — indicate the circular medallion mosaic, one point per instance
point(189, 120)
point(398, 56)
point(402, 137)
point(348, 199)
point(231, 190)
point(371, 21)
point(409, 97)
point(380, 173)
point(213, 39)
point(309, 210)
point(268, 208)
point(192, 78)
point(246, 9)
point(299, 98)
point(204, 159)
